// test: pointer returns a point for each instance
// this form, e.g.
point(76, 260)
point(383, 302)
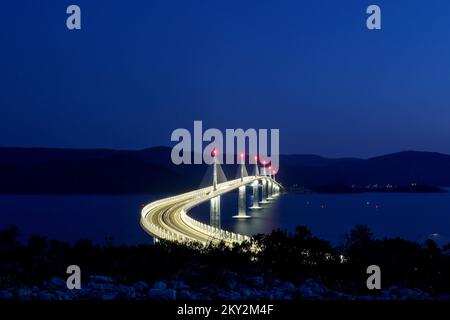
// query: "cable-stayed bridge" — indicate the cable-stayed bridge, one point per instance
point(168, 218)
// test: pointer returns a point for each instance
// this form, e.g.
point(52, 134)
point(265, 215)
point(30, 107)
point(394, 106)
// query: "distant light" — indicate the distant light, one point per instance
point(270, 167)
point(264, 162)
point(242, 154)
point(435, 235)
point(214, 152)
point(256, 158)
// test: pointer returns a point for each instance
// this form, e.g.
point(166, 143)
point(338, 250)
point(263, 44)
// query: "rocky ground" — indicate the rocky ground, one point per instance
point(250, 288)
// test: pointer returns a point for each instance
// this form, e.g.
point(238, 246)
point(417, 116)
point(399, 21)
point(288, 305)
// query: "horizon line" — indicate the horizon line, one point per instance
point(168, 147)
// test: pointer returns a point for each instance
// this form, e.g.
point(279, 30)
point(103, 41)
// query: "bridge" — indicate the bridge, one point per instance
point(168, 218)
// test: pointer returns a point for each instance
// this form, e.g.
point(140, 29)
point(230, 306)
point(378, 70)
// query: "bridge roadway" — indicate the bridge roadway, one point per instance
point(167, 218)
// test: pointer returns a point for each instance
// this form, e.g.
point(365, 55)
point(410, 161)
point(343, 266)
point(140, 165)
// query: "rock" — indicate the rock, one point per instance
point(101, 286)
point(252, 294)
point(126, 292)
point(222, 294)
point(180, 285)
point(45, 295)
point(245, 292)
point(287, 287)
point(63, 295)
point(257, 282)
point(390, 293)
point(305, 291)
point(235, 295)
point(109, 296)
point(101, 279)
point(58, 282)
point(140, 286)
point(83, 293)
point(410, 294)
point(6, 295)
point(73, 294)
point(207, 292)
point(385, 296)
point(24, 293)
point(186, 295)
point(229, 295)
point(343, 296)
point(315, 289)
point(162, 294)
point(159, 285)
point(278, 294)
point(269, 296)
point(232, 284)
point(229, 275)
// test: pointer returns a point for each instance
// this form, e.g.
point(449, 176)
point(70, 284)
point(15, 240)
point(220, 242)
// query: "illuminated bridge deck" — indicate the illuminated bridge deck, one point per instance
point(168, 219)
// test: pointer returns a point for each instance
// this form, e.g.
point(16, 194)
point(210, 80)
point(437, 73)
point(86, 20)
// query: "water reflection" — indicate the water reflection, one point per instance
point(411, 216)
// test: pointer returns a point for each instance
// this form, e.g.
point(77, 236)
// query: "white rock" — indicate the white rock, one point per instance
point(162, 294)
point(101, 279)
point(159, 285)
point(140, 286)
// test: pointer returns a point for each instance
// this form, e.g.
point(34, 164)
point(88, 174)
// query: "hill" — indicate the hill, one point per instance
point(52, 170)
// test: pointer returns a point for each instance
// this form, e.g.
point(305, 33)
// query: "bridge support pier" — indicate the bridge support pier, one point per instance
point(275, 191)
point(255, 205)
point(242, 204)
point(264, 192)
point(269, 190)
point(214, 212)
point(273, 195)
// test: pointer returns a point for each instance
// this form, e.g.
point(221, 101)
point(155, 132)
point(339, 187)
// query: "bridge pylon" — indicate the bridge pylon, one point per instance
point(276, 188)
point(242, 199)
point(264, 186)
point(255, 186)
point(214, 211)
point(270, 186)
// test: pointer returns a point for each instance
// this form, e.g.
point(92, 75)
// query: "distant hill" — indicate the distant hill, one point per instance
point(53, 171)
point(428, 168)
point(312, 160)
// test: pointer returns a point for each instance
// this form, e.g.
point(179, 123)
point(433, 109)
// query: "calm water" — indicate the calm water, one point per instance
point(411, 216)
point(73, 217)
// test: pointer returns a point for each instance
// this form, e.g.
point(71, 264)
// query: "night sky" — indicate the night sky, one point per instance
point(140, 69)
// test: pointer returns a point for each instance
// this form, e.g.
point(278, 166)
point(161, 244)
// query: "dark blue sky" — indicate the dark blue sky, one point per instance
point(140, 69)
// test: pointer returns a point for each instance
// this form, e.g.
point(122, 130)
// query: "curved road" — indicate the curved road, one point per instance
point(167, 218)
